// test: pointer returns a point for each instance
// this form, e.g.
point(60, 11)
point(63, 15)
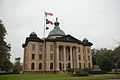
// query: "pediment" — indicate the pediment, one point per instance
point(69, 38)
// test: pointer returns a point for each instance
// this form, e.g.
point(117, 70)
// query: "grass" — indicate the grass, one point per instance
point(113, 72)
point(54, 77)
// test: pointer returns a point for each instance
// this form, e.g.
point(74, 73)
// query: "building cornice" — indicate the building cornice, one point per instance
point(66, 38)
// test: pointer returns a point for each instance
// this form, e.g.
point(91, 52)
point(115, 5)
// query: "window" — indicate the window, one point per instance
point(84, 65)
point(83, 57)
point(41, 48)
point(83, 50)
point(33, 56)
point(88, 65)
point(79, 49)
point(32, 66)
point(79, 65)
point(33, 47)
point(68, 65)
point(89, 58)
point(51, 66)
point(51, 56)
point(40, 66)
point(51, 47)
point(60, 66)
point(88, 50)
point(79, 57)
point(40, 56)
point(69, 58)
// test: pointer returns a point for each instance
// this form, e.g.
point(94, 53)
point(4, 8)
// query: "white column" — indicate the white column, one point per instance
point(77, 60)
point(71, 57)
point(57, 57)
point(64, 49)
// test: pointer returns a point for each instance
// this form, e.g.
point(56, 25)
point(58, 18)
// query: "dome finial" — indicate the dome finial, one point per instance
point(33, 34)
point(85, 40)
point(56, 19)
point(56, 22)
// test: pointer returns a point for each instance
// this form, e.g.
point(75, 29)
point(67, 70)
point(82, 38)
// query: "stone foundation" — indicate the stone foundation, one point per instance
point(40, 72)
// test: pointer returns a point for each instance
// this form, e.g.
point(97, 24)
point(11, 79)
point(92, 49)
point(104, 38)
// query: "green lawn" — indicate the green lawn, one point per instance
point(113, 72)
point(54, 77)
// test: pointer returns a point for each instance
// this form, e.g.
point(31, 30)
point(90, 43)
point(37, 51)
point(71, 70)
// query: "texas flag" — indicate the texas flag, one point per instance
point(49, 22)
point(48, 14)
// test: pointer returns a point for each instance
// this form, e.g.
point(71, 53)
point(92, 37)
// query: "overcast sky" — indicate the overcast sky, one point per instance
point(97, 20)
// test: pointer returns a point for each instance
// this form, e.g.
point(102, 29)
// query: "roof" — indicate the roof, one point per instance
point(33, 34)
point(65, 38)
point(56, 31)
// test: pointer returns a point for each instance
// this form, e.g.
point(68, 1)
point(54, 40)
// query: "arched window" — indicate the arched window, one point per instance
point(32, 66)
point(60, 66)
point(68, 65)
point(51, 66)
point(84, 65)
point(79, 65)
point(40, 66)
point(88, 65)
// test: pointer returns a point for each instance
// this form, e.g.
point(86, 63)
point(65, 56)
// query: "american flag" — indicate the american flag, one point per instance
point(48, 14)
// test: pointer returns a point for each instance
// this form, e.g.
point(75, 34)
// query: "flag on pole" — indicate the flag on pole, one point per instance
point(49, 22)
point(48, 14)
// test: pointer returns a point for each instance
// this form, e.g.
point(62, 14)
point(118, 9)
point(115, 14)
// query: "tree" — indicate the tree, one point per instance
point(115, 57)
point(95, 55)
point(4, 49)
point(105, 63)
point(7, 65)
point(17, 67)
point(101, 57)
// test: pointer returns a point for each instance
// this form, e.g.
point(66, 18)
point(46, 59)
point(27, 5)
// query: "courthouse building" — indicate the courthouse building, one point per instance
point(61, 52)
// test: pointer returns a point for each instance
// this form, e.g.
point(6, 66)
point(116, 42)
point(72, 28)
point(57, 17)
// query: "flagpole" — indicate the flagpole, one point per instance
point(44, 39)
point(44, 45)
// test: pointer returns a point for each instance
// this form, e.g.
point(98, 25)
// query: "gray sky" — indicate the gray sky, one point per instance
point(97, 20)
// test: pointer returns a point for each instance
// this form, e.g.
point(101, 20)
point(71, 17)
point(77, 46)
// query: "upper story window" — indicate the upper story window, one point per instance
point(41, 48)
point(88, 50)
point(40, 56)
point(89, 58)
point(51, 47)
point(51, 56)
point(79, 49)
point(79, 57)
point(83, 57)
point(33, 47)
point(33, 56)
point(83, 50)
